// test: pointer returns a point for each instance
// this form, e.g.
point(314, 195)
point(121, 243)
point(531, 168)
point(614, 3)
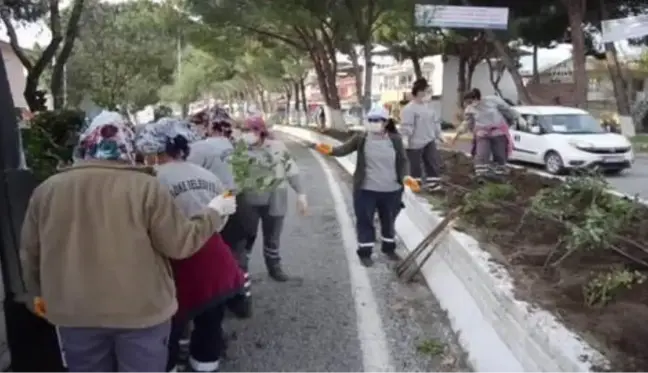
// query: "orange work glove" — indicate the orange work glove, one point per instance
point(39, 306)
point(414, 185)
point(324, 148)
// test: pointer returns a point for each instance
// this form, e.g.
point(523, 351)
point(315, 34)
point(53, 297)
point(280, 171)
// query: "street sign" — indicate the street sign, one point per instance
point(452, 16)
point(624, 28)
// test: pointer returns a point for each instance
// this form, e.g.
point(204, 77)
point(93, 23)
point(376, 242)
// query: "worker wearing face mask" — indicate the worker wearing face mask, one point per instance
point(272, 169)
point(381, 172)
point(421, 129)
point(489, 119)
point(213, 153)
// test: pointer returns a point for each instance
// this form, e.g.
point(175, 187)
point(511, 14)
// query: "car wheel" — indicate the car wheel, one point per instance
point(553, 163)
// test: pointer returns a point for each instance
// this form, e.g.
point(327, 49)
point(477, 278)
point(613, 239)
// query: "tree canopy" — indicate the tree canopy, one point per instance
point(125, 54)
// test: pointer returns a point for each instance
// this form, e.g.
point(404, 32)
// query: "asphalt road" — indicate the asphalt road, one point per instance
point(631, 182)
point(338, 315)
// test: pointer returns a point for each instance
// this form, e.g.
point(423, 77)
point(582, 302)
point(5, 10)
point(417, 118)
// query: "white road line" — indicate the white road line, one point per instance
point(373, 342)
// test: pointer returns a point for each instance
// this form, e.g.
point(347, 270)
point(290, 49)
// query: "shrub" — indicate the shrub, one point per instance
point(49, 140)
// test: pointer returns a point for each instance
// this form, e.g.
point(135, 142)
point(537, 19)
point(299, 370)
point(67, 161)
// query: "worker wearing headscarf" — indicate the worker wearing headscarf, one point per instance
point(213, 153)
point(489, 119)
point(274, 169)
point(209, 278)
point(94, 247)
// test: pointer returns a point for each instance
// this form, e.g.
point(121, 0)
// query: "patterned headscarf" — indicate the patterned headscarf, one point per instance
point(257, 124)
point(154, 137)
point(218, 114)
point(108, 137)
point(220, 120)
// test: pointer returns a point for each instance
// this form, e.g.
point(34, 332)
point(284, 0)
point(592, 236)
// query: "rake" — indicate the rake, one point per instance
point(410, 265)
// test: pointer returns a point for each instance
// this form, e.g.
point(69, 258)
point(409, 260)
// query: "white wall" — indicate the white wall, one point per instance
point(480, 80)
point(16, 75)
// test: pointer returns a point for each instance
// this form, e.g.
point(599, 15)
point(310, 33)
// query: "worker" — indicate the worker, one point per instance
point(381, 172)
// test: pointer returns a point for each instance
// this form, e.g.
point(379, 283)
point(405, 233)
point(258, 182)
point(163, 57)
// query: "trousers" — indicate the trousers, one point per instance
point(206, 344)
point(366, 203)
point(425, 159)
point(487, 148)
point(271, 228)
point(116, 350)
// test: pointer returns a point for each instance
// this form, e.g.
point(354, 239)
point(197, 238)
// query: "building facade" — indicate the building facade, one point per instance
point(16, 74)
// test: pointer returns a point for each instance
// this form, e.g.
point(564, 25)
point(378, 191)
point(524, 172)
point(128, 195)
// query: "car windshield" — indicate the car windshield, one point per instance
point(569, 123)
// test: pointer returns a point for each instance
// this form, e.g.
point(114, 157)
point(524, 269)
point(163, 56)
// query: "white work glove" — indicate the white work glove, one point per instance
point(223, 204)
point(302, 204)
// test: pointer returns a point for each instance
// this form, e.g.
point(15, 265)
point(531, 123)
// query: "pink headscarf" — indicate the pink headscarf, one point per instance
point(257, 124)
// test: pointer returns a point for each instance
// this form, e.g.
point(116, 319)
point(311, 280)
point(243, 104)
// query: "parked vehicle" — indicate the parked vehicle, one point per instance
point(562, 138)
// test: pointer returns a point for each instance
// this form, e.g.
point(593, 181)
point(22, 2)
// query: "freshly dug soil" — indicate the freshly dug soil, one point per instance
point(619, 329)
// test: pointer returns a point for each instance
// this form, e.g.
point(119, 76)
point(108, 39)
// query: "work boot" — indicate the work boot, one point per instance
point(389, 249)
point(241, 306)
point(277, 273)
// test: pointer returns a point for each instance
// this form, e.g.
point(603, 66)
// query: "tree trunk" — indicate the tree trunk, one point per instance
point(297, 97)
point(509, 62)
point(357, 74)
point(326, 70)
point(366, 104)
point(495, 73)
point(575, 11)
point(470, 72)
point(416, 64)
point(289, 94)
point(57, 84)
point(35, 70)
point(619, 84)
point(462, 85)
point(302, 88)
point(536, 73)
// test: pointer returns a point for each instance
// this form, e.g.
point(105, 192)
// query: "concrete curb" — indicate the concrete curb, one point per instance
point(499, 332)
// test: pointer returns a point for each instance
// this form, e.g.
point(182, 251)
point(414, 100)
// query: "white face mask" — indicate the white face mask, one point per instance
point(374, 126)
point(250, 138)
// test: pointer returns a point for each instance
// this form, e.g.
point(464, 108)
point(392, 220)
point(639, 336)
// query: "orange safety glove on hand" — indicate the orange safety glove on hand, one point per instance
point(324, 148)
point(39, 307)
point(414, 185)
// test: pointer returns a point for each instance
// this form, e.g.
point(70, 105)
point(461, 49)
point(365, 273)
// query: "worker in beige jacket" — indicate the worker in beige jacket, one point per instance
point(94, 249)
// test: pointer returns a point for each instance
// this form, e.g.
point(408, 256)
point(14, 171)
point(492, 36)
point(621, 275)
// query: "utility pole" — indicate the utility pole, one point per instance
point(33, 343)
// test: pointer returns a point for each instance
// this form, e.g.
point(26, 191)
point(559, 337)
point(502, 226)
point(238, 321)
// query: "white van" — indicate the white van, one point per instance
point(562, 138)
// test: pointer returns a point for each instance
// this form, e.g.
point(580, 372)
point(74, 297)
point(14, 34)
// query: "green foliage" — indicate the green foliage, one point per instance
point(26, 10)
point(124, 55)
point(593, 215)
point(254, 174)
point(397, 32)
point(603, 287)
point(50, 139)
point(488, 193)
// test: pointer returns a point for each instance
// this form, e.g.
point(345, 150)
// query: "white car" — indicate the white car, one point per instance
point(563, 138)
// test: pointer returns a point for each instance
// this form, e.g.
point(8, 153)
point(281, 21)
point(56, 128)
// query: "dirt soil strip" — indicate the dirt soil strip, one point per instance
point(618, 329)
